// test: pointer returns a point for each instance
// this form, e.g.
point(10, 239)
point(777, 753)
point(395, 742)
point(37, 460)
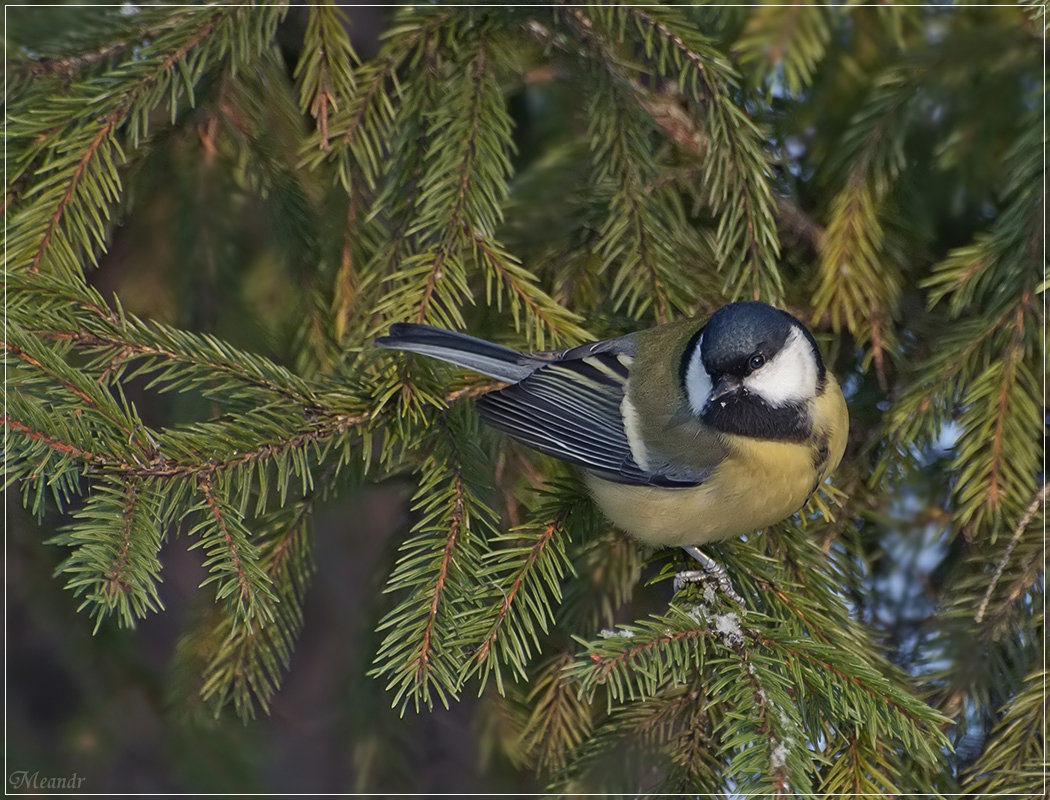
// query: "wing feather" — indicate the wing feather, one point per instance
point(570, 408)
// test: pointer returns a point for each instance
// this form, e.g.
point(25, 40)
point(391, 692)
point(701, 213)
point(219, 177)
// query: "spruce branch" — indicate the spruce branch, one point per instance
point(1022, 526)
point(987, 368)
point(461, 189)
point(798, 646)
point(117, 35)
point(859, 770)
point(735, 167)
point(18, 352)
point(664, 657)
point(1000, 410)
point(231, 558)
point(919, 412)
point(776, 756)
point(632, 217)
point(998, 268)
point(101, 413)
point(523, 572)
point(611, 662)
point(69, 64)
point(61, 447)
point(196, 466)
point(108, 179)
point(912, 712)
point(608, 570)
point(203, 363)
point(784, 43)
point(117, 575)
point(637, 237)
point(972, 675)
point(541, 543)
point(115, 340)
point(462, 185)
point(975, 672)
point(455, 526)
point(559, 722)
point(420, 656)
point(983, 377)
point(527, 300)
point(1014, 759)
point(854, 285)
point(174, 360)
point(65, 221)
point(246, 666)
point(362, 130)
point(326, 70)
point(682, 719)
point(688, 133)
point(858, 281)
point(675, 726)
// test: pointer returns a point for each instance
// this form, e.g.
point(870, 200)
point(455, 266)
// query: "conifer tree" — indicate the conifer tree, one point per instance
point(541, 176)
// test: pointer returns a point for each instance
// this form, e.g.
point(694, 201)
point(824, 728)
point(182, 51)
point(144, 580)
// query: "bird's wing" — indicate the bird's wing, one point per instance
point(572, 409)
point(487, 358)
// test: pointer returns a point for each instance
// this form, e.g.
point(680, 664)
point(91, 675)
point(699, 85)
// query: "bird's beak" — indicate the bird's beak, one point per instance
point(727, 384)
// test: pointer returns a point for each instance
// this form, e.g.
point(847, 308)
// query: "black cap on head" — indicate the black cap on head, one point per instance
point(739, 330)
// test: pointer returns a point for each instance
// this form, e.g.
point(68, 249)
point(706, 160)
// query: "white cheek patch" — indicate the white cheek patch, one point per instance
point(697, 381)
point(789, 377)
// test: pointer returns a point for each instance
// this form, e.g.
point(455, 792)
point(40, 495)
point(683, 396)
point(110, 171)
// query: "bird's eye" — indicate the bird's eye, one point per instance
point(756, 361)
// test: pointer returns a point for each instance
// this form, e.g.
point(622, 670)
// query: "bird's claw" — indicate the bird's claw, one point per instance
point(711, 570)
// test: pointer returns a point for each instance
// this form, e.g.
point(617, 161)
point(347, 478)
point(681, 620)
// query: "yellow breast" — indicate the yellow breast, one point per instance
point(764, 483)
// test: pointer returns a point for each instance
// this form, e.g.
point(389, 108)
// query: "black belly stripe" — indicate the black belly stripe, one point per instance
point(820, 455)
point(820, 459)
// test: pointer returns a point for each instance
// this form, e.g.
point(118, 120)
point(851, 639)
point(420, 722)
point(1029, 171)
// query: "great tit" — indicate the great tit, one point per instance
point(688, 432)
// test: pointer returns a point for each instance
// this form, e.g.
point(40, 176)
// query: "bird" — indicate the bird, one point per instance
point(689, 432)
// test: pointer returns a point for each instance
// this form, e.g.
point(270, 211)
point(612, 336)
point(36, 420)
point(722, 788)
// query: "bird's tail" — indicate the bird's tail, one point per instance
point(487, 358)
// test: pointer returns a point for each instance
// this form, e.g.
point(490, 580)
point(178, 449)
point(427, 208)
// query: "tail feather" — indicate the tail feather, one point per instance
point(475, 354)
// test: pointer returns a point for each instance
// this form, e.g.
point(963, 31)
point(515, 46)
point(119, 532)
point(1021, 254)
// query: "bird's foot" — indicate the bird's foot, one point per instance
point(711, 569)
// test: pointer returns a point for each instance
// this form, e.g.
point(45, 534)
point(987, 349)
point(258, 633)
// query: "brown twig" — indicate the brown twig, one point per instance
point(63, 448)
point(125, 350)
point(422, 660)
point(205, 485)
point(115, 582)
point(552, 528)
point(1038, 500)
